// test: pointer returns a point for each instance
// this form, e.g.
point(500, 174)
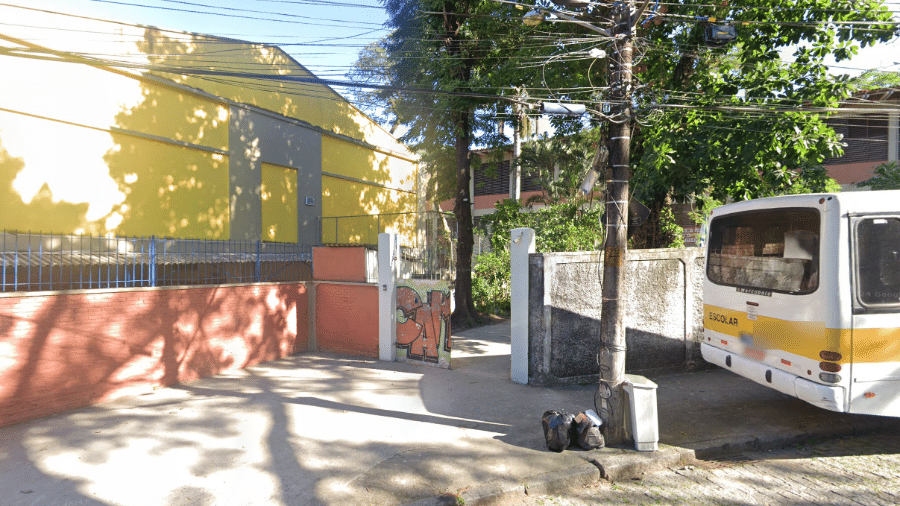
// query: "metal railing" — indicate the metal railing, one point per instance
point(434, 263)
point(427, 239)
point(37, 262)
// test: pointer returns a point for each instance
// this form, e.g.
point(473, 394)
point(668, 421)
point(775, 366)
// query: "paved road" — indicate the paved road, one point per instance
point(858, 471)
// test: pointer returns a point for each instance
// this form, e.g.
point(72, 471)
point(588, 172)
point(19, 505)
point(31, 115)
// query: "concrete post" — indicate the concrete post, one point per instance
point(521, 246)
point(388, 267)
point(893, 139)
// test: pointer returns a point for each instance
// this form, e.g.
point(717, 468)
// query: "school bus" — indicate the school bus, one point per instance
point(802, 294)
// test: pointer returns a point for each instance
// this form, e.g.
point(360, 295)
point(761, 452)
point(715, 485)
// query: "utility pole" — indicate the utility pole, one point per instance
point(515, 168)
point(612, 310)
point(610, 394)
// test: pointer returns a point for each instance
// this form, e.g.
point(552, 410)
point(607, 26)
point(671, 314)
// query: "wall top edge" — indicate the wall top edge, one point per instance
point(632, 255)
point(89, 291)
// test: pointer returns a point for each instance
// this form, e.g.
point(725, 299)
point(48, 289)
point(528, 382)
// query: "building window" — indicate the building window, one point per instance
point(866, 140)
point(493, 179)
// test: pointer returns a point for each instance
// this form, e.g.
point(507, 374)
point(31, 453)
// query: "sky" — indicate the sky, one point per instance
point(323, 35)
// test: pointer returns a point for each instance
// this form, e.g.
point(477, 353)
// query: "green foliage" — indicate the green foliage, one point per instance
point(668, 226)
point(730, 120)
point(886, 177)
point(570, 155)
point(703, 207)
point(811, 179)
point(559, 227)
point(491, 281)
point(875, 79)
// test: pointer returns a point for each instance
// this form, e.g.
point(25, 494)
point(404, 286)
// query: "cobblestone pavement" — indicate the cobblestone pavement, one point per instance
point(853, 471)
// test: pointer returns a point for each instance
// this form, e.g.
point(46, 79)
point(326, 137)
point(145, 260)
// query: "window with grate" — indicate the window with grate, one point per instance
point(492, 179)
point(865, 139)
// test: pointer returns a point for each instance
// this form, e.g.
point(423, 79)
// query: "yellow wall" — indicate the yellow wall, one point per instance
point(387, 185)
point(342, 198)
point(170, 191)
point(67, 164)
point(310, 102)
point(72, 158)
point(279, 203)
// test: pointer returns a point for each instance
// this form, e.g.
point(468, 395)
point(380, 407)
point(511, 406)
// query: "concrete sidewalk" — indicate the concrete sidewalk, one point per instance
point(324, 429)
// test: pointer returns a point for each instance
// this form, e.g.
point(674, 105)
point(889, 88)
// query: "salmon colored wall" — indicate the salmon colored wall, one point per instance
point(489, 201)
point(347, 319)
point(62, 351)
point(852, 173)
point(339, 264)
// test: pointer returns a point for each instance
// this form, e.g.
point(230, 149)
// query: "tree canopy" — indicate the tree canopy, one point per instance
point(742, 120)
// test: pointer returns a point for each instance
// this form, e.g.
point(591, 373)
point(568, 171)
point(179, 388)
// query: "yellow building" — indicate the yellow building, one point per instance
point(117, 129)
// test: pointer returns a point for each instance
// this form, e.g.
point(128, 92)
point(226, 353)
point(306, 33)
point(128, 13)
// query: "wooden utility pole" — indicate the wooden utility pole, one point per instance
point(612, 311)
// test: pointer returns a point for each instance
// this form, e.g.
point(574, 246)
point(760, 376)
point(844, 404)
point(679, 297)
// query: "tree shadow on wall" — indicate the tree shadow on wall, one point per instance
point(17, 215)
point(174, 187)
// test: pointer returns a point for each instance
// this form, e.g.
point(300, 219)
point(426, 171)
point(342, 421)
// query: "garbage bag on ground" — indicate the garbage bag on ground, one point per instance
point(557, 429)
point(587, 432)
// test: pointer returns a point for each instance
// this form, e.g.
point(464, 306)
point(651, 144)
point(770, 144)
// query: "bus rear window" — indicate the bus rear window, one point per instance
point(775, 250)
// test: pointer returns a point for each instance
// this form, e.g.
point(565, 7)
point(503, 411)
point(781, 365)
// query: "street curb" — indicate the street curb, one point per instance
point(624, 464)
point(618, 464)
point(497, 492)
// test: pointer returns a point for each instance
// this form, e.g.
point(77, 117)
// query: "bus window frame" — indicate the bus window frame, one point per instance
point(818, 259)
point(859, 305)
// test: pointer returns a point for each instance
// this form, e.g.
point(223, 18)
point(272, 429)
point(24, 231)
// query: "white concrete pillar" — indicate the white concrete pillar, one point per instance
point(388, 268)
point(893, 138)
point(521, 246)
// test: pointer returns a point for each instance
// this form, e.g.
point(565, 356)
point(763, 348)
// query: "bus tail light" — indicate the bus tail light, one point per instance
point(724, 342)
point(869, 395)
point(828, 377)
point(830, 367)
point(831, 356)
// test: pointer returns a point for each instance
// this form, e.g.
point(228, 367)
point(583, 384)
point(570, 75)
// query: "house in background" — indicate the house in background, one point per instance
point(869, 125)
point(117, 129)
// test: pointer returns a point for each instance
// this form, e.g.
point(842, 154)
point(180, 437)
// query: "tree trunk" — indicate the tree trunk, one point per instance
point(464, 314)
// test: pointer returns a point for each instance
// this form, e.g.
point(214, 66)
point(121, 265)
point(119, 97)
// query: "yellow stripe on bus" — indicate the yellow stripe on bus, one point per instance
point(804, 339)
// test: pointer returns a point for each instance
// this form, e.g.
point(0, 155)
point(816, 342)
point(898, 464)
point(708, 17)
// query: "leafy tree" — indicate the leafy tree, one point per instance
point(458, 52)
point(874, 79)
point(736, 120)
point(557, 227)
point(560, 163)
point(375, 66)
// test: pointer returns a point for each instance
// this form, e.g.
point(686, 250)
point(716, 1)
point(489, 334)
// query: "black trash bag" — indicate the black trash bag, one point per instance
point(588, 434)
point(558, 429)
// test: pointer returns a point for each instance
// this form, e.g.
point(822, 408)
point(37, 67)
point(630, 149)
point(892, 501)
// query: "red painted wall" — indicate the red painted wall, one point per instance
point(60, 351)
point(347, 319)
point(339, 263)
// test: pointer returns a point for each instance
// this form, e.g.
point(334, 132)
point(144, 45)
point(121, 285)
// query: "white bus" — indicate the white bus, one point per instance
point(802, 294)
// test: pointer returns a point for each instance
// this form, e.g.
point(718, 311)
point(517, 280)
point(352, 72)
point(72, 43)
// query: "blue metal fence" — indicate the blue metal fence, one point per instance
point(34, 262)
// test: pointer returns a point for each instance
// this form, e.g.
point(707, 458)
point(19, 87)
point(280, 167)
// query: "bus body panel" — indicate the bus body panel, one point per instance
point(801, 338)
point(875, 306)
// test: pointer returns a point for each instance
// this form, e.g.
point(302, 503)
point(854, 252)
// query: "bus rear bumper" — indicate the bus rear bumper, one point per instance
point(827, 397)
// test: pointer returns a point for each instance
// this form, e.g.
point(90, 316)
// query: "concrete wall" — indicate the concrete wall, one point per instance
point(256, 139)
point(64, 350)
point(663, 318)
